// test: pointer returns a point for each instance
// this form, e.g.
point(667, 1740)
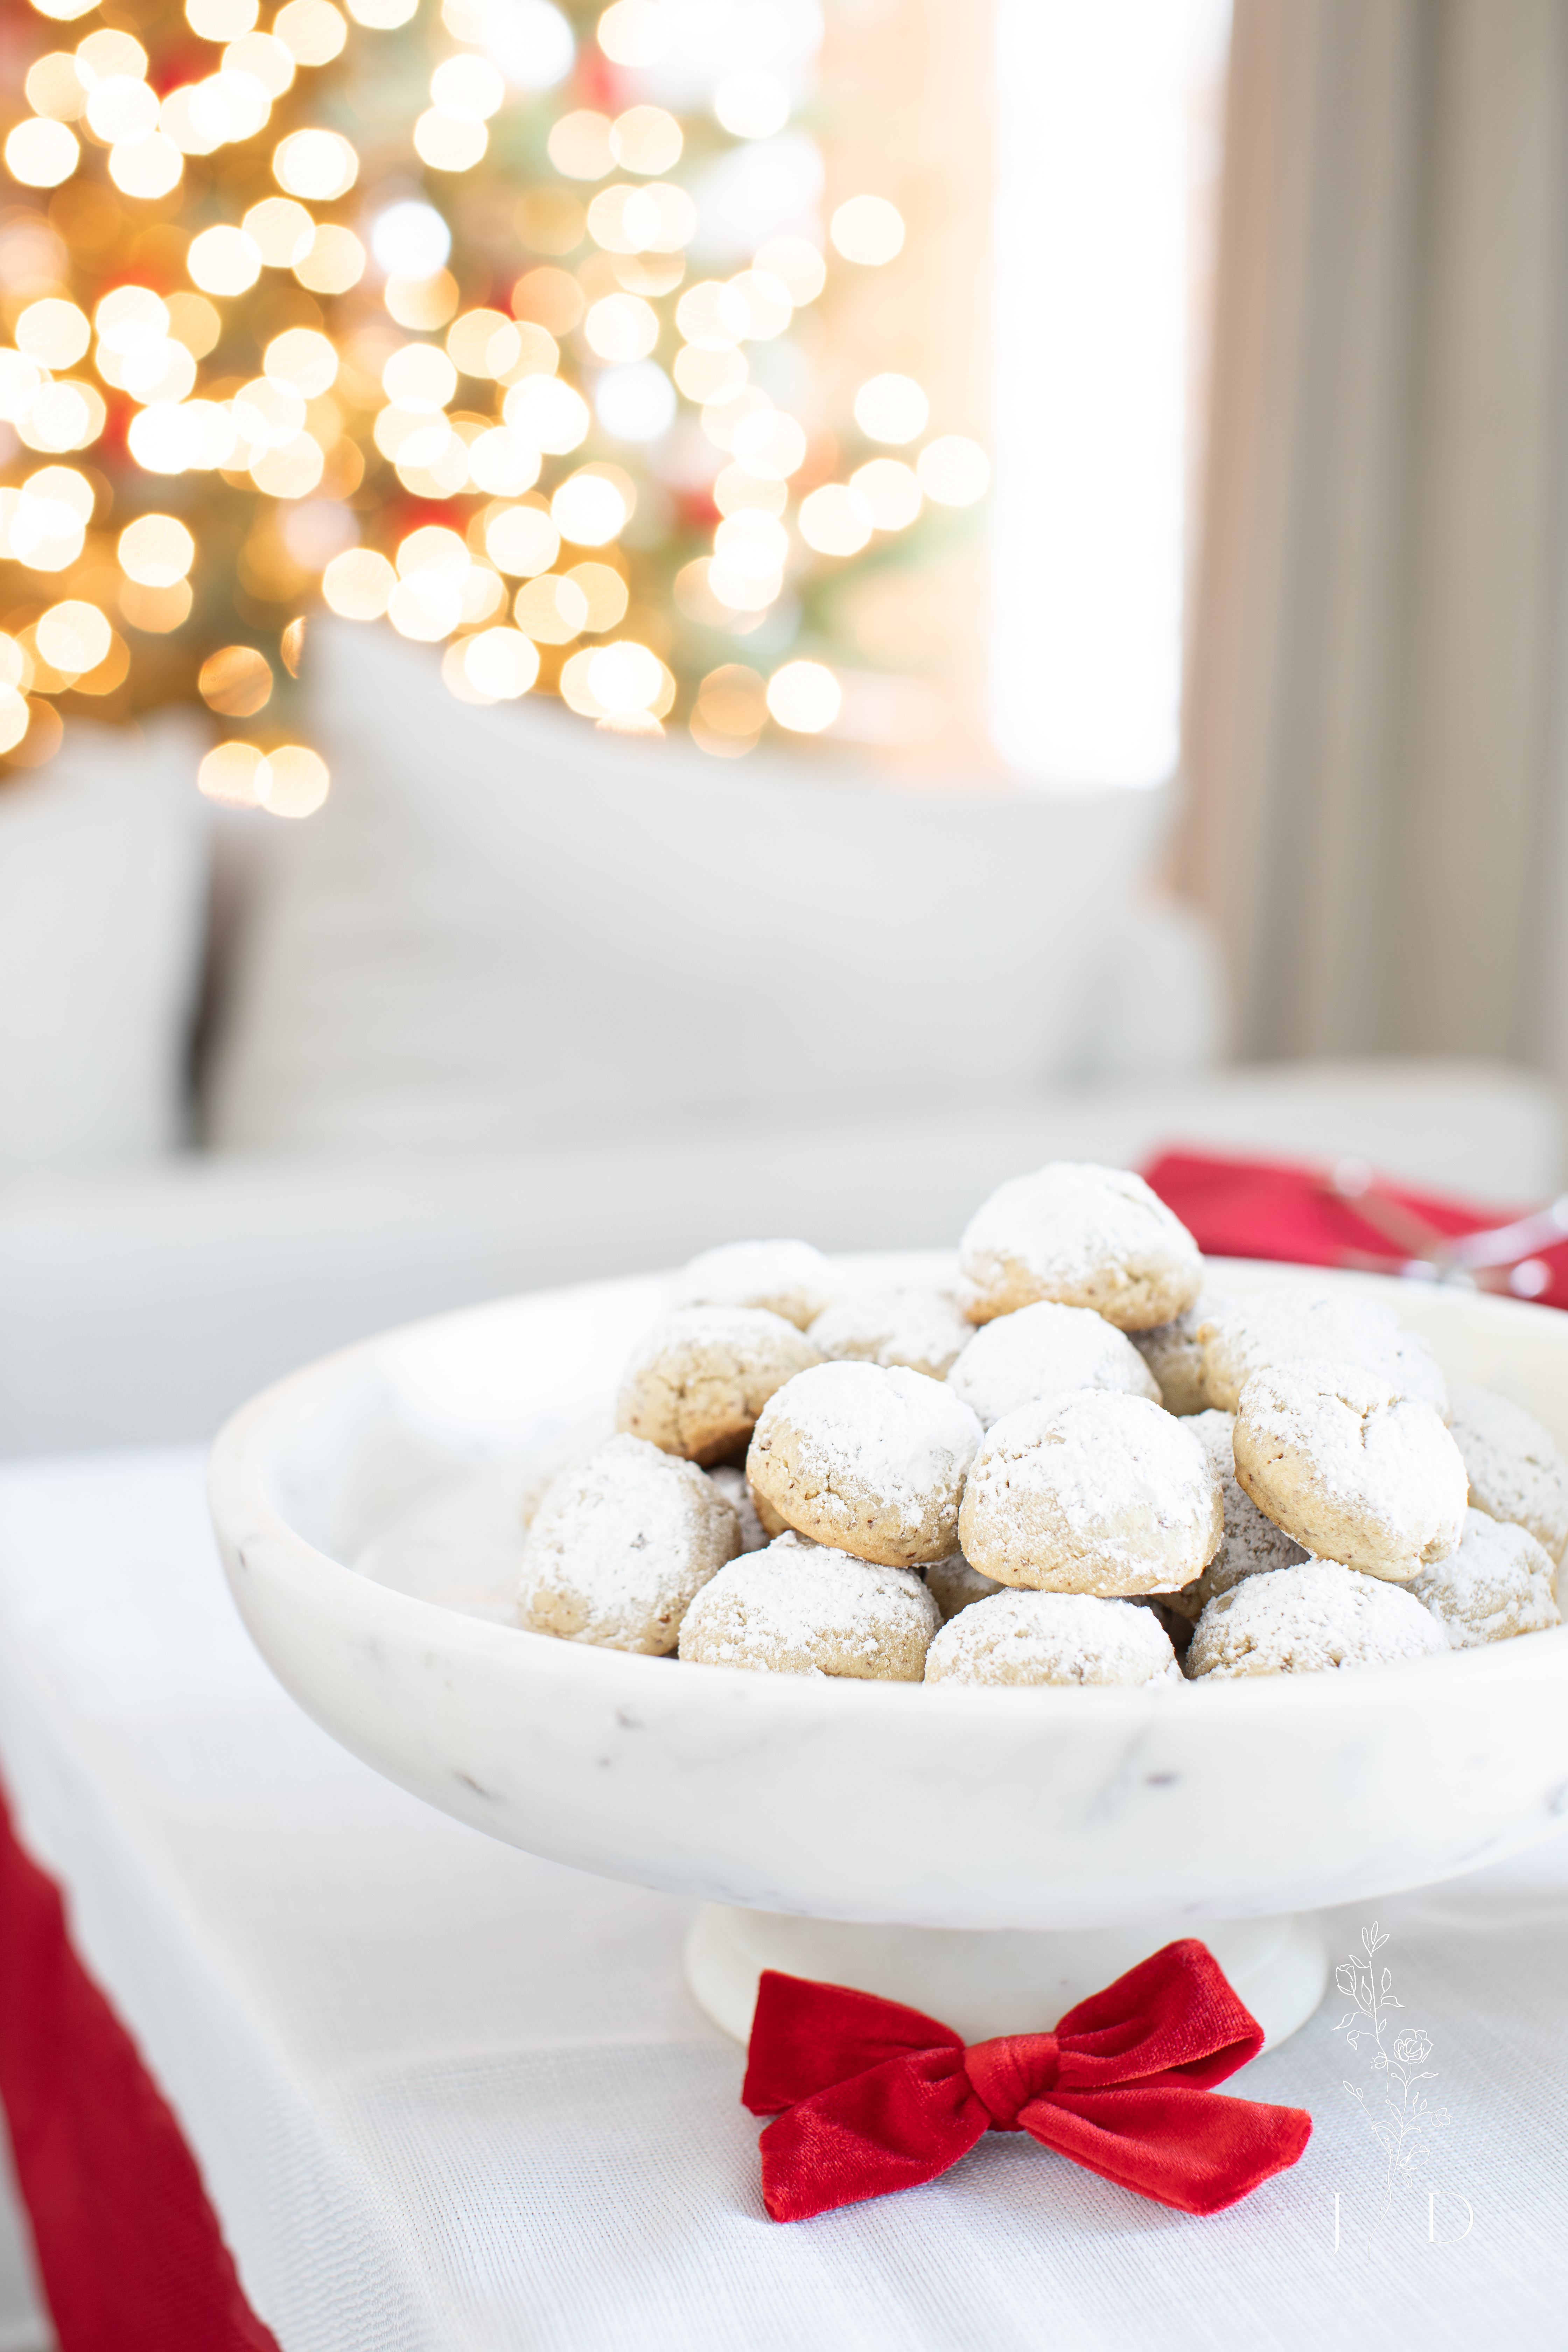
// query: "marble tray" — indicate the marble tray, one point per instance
point(987, 1855)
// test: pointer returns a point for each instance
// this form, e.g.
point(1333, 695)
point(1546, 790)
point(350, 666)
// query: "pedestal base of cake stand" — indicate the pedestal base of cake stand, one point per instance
point(983, 1982)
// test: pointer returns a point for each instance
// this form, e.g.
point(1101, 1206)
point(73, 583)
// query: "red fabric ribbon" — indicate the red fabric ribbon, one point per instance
point(131, 2255)
point(871, 2096)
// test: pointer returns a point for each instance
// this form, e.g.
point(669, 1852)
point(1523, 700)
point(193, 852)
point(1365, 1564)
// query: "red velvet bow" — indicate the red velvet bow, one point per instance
point(877, 2097)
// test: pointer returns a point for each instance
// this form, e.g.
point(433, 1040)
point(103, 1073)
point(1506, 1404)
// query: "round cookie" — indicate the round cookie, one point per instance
point(789, 1278)
point(1174, 1354)
point(1082, 1236)
point(803, 1608)
point(1096, 1493)
point(1292, 1321)
point(699, 1379)
point(872, 1462)
point(619, 1546)
point(1356, 1470)
point(1052, 1637)
point(1046, 1350)
point(955, 1585)
point(1517, 1471)
point(1497, 1583)
point(1253, 1544)
point(920, 1330)
point(1312, 1620)
point(731, 1482)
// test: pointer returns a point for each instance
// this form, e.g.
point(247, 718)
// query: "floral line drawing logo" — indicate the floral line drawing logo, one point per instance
point(1410, 2115)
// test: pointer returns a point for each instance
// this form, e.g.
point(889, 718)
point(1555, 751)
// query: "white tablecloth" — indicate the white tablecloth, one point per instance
point(448, 2098)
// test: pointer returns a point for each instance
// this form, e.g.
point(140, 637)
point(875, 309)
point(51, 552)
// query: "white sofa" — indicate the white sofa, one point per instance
point(525, 1005)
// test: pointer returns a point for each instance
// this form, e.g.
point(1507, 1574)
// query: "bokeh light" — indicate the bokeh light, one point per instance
point(868, 230)
point(588, 509)
point(315, 164)
point(836, 520)
point(358, 584)
point(242, 386)
point(157, 549)
point(635, 32)
point(892, 408)
point(954, 470)
point(805, 697)
point(235, 681)
point(41, 153)
point(292, 781)
point(752, 104)
point(890, 491)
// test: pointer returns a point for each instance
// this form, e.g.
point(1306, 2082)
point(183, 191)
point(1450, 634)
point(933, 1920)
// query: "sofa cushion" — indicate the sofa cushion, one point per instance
point(505, 927)
point(103, 882)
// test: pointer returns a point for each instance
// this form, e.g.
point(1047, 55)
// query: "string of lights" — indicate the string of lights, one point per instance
point(402, 312)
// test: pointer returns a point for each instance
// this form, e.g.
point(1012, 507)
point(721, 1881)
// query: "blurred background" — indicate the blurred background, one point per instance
point(620, 627)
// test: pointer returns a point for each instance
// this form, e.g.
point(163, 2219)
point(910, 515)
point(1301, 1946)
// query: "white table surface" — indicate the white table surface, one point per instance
point(448, 2098)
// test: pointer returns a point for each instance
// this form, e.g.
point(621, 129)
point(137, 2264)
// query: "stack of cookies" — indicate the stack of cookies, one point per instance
point(1076, 1467)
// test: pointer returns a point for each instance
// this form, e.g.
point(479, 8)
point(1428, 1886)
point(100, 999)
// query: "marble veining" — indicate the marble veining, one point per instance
point(365, 1509)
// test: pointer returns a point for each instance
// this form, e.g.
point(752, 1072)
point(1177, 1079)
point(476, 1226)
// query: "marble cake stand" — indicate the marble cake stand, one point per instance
point(989, 1856)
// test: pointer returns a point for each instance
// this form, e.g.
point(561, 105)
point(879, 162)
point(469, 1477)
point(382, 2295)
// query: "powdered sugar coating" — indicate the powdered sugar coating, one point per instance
point(1315, 1618)
point(1046, 1350)
point(803, 1608)
point(1253, 1544)
point(1083, 1236)
point(789, 1278)
point(872, 1462)
point(1498, 1583)
point(1097, 1492)
point(735, 1487)
point(1517, 1470)
point(698, 1381)
point(620, 1546)
point(1173, 1353)
point(955, 1585)
point(1355, 1469)
point(920, 1330)
point(1052, 1637)
point(1294, 1321)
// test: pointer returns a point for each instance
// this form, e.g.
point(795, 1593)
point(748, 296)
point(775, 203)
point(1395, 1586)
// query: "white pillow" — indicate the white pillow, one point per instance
point(103, 884)
point(506, 927)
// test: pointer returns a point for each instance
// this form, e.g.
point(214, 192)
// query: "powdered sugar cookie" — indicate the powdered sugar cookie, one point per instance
point(1173, 1353)
point(1355, 1469)
point(868, 1460)
point(920, 1330)
point(955, 1585)
point(1312, 1620)
point(789, 1278)
point(1046, 1351)
point(1253, 1544)
point(802, 1608)
point(1517, 1470)
point(701, 1378)
point(620, 1545)
point(1286, 1324)
point(733, 1485)
point(1052, 1637)
point(1083, 1236)
point(1497, 1583)
point(1096, 1493)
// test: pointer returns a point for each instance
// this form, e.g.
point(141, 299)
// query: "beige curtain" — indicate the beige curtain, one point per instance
point(1376, 689)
